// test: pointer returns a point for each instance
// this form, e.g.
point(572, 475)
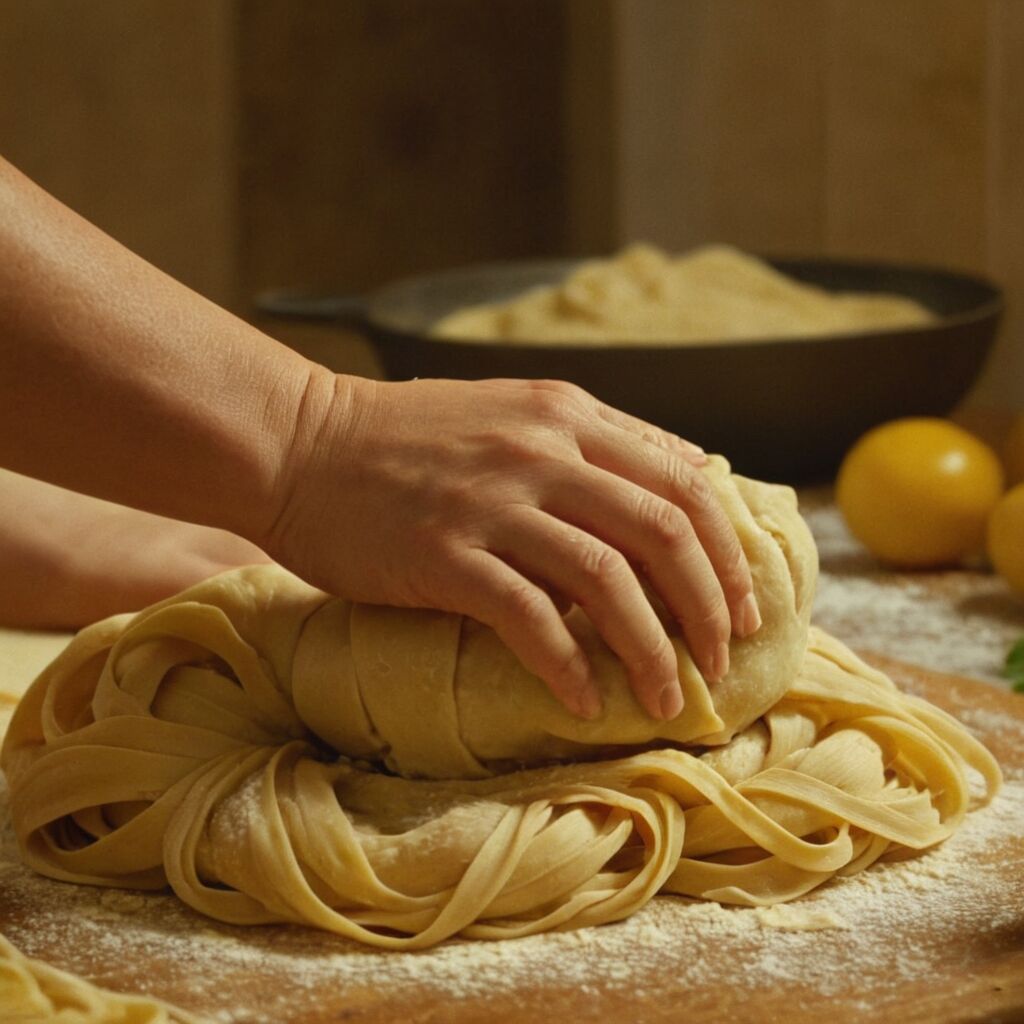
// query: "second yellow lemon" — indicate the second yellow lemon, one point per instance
point(1006, 537)
point(918, 492)
point(1013, 452)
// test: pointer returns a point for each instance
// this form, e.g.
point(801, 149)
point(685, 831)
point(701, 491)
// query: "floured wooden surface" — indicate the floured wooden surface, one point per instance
point(936, 938)
point(960, 621)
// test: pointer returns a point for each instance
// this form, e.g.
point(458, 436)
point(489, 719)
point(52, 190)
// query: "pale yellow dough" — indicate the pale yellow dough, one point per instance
point(643, 295)
point(228, 742)
point(32, 992)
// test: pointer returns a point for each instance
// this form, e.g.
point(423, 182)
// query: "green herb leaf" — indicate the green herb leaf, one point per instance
point(1014, 668)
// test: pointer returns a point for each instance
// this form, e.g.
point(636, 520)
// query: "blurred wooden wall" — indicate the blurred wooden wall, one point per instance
point(126, 112)
point(865, 128)
point(383, 138)
point(380, 138)
point(247, 144)
point(241, 144)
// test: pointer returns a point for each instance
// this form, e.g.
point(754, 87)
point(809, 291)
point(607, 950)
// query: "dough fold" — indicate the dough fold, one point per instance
point(230, 743)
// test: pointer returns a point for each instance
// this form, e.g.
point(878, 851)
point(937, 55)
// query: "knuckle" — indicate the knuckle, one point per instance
point(602, 567)
point(734, 561)
point(559, 402)
point(711, 618)
point(527, 604)
point(692, 485)
point(699, 489)
point(551, 406)
point(666, 525)
point(561, 387)
point(655, 661)
point(453, 494)
point(569, 665)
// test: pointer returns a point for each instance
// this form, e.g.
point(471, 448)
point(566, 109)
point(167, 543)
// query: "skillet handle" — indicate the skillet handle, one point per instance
point(319, 307)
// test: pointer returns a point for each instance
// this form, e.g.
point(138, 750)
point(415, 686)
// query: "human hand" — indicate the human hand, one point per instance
point(487, 498)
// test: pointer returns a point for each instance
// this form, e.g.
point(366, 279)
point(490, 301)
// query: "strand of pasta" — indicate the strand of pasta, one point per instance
point(33, 992)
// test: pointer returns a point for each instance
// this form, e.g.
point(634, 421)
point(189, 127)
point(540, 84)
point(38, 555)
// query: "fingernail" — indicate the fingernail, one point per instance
point(719, 664)
point(670, 702)
point(748, 616)
point(693, 451)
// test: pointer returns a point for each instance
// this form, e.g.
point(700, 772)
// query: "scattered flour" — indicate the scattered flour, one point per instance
point(960, 622)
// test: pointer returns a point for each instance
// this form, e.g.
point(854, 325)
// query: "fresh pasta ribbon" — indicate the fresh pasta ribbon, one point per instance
point(33, 992)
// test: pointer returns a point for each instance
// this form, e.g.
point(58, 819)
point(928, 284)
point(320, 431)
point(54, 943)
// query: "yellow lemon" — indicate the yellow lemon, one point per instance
point(1006, 537)
point(918, 492)
point(1013, 452)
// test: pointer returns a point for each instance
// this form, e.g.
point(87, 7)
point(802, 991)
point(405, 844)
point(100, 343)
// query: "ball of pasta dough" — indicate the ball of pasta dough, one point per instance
point(479, 709)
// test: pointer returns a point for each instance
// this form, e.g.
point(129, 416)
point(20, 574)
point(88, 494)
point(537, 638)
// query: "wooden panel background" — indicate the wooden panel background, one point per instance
point(1005, 194)
point(242, 144)
point(380, 139)
point(708, 148)
point(125, 111)
point(850, 127)
point(384, 137)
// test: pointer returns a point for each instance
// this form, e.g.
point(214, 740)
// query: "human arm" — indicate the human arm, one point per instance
point(473, 497)
point(68, 559)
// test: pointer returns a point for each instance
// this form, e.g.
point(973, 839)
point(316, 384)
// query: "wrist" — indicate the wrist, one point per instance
point(320, 419)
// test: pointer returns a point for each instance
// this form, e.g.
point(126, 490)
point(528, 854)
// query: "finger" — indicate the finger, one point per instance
point(602, 583)
point(528, 623)
point(689, 489)
point(660, 537)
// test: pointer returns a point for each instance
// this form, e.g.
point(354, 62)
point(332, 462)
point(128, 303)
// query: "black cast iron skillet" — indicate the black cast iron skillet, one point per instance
point(780, 410)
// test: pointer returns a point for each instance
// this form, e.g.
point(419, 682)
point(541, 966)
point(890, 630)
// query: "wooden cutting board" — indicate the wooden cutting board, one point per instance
point(937, 939)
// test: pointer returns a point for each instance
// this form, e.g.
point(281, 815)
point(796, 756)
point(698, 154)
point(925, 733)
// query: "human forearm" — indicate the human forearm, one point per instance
point(480, 498)
point(117, 381)
point(67, 559)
